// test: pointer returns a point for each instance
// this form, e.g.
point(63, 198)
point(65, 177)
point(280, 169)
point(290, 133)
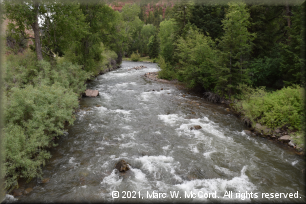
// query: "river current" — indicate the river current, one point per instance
point(147, 124)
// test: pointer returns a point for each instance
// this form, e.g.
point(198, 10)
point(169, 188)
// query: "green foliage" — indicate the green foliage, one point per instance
point(135, 56)
point(208, 19)
point(153, 46)
point(197, 58)
point(235, 46)
point(265, 72)
point(146, 32)
point(281, 108)
point(166, 71)
point(20, 70)
point(33, 116)
point(167, 38)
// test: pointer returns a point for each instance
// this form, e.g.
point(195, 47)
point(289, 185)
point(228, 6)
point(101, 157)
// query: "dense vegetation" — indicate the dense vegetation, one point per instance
point(233, 50)
point(236, 49)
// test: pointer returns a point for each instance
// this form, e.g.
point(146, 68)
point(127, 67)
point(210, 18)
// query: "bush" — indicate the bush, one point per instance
point(166, 71)
point(281, 108)
point(33, 116)
point(135, 56)
point(68, 75)
point(20, 70)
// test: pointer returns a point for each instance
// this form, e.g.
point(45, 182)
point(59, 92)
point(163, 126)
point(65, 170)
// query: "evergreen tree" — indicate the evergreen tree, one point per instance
point(153, 46)
point(235, 47)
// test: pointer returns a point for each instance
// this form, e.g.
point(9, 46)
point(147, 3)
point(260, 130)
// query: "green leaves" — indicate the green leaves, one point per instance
point(34, 115)
point(197, 57)
point(284, 107)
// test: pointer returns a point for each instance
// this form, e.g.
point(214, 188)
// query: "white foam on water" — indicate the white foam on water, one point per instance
point(154, 164)
point(9, 199)
point(71, 160)
point(105, 165)
point(139, 175)
point(100, 148)
point(129, 144)
point(193, 148)
point(84, 186)
point(105, 96)
point(129, 135)
point(124, 154)
point(102, 109)
point(170, 119)
point(112, 156)
point(207, 154)
point(294, 162)
point(166, 147)
point(124, 112)
point(236, 184)
point(145, 96)
point(158, 132)
point(224, 170)
point(112, 181)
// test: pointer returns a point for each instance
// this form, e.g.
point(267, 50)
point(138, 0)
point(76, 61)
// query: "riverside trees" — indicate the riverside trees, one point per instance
point(41, 89)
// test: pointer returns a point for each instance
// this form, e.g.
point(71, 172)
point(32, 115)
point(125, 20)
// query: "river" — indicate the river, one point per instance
point(147, 124)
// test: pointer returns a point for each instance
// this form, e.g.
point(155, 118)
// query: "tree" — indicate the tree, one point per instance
point(197, 58)
point(146, 32)
point(182, 13)
point(153, 46)
point(167, 38)
point(208, 19)
point(25, 16)
point(235, 46)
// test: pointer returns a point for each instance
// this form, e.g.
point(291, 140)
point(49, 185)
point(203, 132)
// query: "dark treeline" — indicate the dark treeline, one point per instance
point(231, 50)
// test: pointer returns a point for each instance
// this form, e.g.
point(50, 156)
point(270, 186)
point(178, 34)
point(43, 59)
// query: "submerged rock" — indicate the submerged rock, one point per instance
point(248, 132)
point(28, 190)
point(122, 166)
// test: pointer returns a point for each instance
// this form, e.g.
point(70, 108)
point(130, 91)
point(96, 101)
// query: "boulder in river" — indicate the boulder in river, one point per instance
point(122, 166)
point(285, 138)
point(91, 93)
point(196, 127)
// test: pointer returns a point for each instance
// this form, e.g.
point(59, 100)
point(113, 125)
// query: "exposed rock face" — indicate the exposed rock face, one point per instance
point(91, 93)
point(122, 166)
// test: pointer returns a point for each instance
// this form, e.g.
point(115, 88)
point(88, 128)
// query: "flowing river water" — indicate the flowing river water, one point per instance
point(151, 131)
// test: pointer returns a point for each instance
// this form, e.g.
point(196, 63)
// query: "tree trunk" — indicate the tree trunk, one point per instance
point(35, 28)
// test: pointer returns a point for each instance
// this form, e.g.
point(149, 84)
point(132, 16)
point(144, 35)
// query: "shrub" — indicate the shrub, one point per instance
point(33, 116)
point(166, 71)
point(20, 70)
point(68, 75)
point(135, 56)
point(281, 108)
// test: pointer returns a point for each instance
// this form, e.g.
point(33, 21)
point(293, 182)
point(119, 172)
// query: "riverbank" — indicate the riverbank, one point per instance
point(283, 135)
point(146, 59)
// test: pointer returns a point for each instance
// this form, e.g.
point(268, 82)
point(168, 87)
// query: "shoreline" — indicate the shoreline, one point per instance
point(279, 136)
